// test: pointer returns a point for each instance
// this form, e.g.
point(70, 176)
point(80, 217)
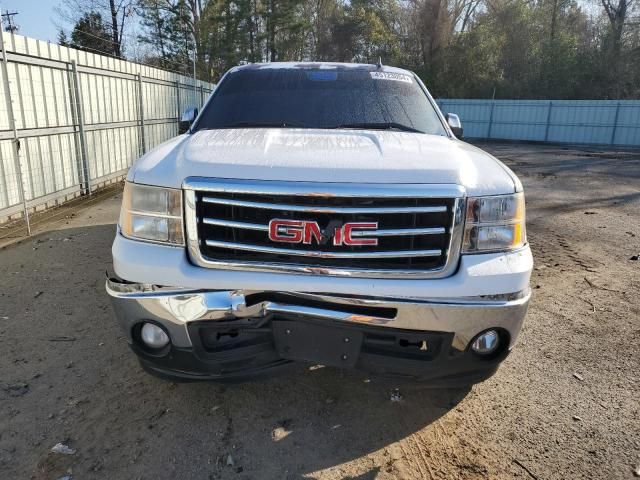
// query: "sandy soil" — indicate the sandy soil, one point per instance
point(565, 404)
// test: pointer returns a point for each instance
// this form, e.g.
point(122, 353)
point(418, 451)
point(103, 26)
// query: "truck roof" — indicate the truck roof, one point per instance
point(319, 65)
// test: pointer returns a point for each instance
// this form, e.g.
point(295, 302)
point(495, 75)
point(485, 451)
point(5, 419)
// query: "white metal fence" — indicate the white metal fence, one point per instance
point(73, 121)
point(589, 122)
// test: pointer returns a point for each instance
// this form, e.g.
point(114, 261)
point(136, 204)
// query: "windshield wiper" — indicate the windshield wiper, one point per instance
point(379, 126)
point(259, 125)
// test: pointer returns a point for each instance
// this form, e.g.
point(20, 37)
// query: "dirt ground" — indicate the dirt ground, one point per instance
point(565, 404)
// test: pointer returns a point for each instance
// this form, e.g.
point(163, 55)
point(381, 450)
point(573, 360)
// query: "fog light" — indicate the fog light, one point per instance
point(153, 336)
point(486, 343)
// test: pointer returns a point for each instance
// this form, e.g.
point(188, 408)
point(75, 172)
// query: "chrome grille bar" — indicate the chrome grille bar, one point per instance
point(398, 232)
point(315, 189)
point(317, 209)
point(319, 254)
point(231, 224)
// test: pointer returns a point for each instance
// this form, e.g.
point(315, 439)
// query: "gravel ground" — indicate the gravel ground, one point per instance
point(565, 404)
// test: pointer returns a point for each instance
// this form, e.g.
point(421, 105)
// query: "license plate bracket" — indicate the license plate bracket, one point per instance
point(317, 343)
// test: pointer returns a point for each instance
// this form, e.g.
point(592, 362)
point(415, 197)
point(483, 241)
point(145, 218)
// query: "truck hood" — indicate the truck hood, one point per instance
point(349, 156)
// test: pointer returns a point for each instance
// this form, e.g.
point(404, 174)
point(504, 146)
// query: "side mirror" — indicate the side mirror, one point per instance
point(455, 124)
point(186, 120)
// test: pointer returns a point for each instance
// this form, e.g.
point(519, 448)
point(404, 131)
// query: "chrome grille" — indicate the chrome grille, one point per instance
point(418, 233)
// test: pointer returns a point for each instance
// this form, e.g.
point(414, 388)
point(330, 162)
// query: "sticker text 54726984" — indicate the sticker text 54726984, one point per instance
point(397, 77)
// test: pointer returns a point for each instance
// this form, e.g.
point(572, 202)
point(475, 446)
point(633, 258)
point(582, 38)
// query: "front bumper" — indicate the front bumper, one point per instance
point(224, 334)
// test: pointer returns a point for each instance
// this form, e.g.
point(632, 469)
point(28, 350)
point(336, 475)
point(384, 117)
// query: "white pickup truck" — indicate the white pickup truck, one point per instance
point(322, 213)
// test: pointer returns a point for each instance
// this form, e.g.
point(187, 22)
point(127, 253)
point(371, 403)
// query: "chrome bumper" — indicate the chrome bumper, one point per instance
point(174, 308)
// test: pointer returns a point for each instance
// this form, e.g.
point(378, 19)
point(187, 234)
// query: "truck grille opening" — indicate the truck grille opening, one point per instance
point(412, 234)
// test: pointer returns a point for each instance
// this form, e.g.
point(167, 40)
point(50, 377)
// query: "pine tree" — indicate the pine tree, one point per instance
point(90, 33)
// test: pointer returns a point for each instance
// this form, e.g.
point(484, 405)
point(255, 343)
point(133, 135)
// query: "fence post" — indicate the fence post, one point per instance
point(201, 96)
point(74, 122)
point(84, 157)
point(615, 124)
point(493, 105)
point(546, 132)
point(179, 112)
point(143, 142)
point(16, 138)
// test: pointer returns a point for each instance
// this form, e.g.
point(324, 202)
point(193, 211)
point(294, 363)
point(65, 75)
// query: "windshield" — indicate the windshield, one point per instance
point(358, 98)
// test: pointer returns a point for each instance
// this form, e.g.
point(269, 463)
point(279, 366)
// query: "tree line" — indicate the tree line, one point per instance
point(550, 49)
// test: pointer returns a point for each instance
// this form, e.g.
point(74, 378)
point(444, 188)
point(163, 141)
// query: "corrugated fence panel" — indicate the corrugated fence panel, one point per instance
point(79, 124)
point(589, 122)
point(9, 194)
point(475, 115)
point(506, 121)
point(628, 132)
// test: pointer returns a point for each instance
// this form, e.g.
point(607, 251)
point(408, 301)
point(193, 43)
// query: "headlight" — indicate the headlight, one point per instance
point(152, 214)
point(494, 223)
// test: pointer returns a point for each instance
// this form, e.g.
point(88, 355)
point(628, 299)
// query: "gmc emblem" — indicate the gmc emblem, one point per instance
point(300, 231)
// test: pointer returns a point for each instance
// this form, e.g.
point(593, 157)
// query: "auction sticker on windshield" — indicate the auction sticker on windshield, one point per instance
point(398, 77)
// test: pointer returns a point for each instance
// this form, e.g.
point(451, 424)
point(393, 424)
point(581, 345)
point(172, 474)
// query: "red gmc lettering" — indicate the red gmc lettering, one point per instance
point(298, 231)
point(337, 236)
point(288, 231)
point(311, 230)
point(348, 229)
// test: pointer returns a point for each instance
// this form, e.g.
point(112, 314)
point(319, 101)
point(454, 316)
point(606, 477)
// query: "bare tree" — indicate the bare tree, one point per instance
point(189, 14)
point(115, 13)
point(437, 22)
point(617, 12)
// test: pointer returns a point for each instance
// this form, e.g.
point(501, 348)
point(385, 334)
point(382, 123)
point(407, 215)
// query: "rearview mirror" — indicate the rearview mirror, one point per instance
point(186, 120)
point(455, 124)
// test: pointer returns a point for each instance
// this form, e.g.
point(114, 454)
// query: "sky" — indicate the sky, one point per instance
point(36, 18)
